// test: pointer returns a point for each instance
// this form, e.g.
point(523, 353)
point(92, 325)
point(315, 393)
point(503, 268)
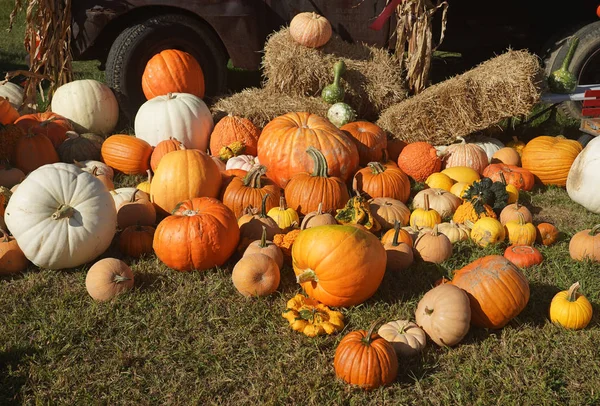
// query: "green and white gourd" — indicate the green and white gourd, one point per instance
point(561, 80)
point(340, 114)
point(334, 93)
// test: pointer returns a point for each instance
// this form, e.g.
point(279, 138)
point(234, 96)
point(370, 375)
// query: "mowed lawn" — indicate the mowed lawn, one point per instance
point(191, 338)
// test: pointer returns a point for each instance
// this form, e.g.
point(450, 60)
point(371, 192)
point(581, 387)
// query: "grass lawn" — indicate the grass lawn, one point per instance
point(190, 338)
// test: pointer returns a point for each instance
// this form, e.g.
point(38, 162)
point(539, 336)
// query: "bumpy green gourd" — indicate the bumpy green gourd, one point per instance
point(561, 80)
point(334, 93)
point(340, 114)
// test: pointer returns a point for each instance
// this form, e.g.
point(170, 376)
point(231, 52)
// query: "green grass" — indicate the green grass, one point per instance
point(190, 338)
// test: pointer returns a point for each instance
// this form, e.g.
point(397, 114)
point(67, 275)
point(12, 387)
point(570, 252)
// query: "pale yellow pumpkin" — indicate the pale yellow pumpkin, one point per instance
point(462, 174)
point(487, 231)
point(520, 232)
point(406, 337)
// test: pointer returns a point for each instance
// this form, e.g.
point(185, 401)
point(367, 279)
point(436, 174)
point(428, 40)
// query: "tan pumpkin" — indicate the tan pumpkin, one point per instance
point(406, 337)
point(433, 246)
point(465, 154)
point(256, 275)
point(454, 231)
point(506, 155)
point(108, 278)
point(317, 218)
point(511, 212)
point(440, 200)
point(310, 29)
point(399, 254)
point(105, 179)
point(251, 224)
point(387, 211)
point(266, 247)
point(585, 245)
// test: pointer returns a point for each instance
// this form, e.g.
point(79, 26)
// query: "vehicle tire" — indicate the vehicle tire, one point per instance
point(585, 64)
point(135, 45)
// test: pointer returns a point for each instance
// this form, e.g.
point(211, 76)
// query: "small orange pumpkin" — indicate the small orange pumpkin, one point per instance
point(547, 234)
point(172, 71)
point(52, 125)
point(33, 151)
point(127, 154)
point(8, 114)
point(256, 274)
point(310, 29)
point(379, 180)
point(585, 244)
point(162, 149)
point(370, 140)
point(136, 241)
point(12, 259)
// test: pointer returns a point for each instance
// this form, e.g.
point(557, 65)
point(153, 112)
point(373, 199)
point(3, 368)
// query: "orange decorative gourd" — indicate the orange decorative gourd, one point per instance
point(162, 149)
point(183, 175)
point(33, 151)
point(284, 140)
point(232, 129)
point(127, 154)
point(366, 359)
point(338, 265)
point(370, 140)
point(585, 245)
point(419, 160)
point(547, 234)
point(136, 241)
point(12, 259)
point(249, 191)
point(8, 114)
point(201, 233)
point(310, 29)
point(550, 158)
point(172, 71)
point(522, 178)
point(52, 125)
point(380, 180)
point(497, 289)
point(306, 191)
point(256, 275)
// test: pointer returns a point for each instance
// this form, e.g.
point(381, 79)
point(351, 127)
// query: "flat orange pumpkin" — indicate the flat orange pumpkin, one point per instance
point(550, 158)
point(172, 71)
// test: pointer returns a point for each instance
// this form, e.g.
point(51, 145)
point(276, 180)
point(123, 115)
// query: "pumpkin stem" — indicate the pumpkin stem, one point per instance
point(426, 199)
point(369, 337)
point(50, 120)
point(95, 171)
point(133, 195)
point(469, 223)
point(320, 209)
point(263, 238)
point(120, 278)
point(72, 135)
point(428, 311)
point(403, 328)
point(63, 211)
point(320, 162)
point(595, 229)
point(572, 293)
point(503, 178)
point(462, 140)
point(307, 276)
point(263, 206)
point(435, 232)
point(189, 213)
point(521, 218)
point(395, 242)
point(377, 168)
point(149, 172)
point(253, 177)
point(282, 205)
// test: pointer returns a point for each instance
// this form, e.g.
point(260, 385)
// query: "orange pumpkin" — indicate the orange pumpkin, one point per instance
point(256, 274)
point(172, 71)
point(379, 180)
point(8, 114)
point(523, 256)
point(497, 289)
point(52, 125)
point(369, 138)
point(419, 160)
point(136, 211)
point(231, 129)
point(366, 359)
point(306, 192)
point(12, 259)
point(310, 29)
point(585, 245)
point(550, 158)
point(162, 149)
point(201, 233)
point(126, 154)
point(521, 178)
point(183, 175)
point(547, 234)
point(394, 148)
point(33, 151)
point(136, 241)
point(284, 140)
point(249, 191)
point(506, 155)
point(9, 136)
point(338, 265)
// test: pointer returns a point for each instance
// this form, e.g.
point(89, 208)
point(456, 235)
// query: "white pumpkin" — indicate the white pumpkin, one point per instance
point(89, 165)
point(406, 337)
point(124, 194)
point(243, 162)
point(440, 200)
point(89, 104)
point(584, 177)
point(454, 231)
point(490, 145)
point(12, 92)
point(182, 116)
point(61, 216)
point(466, 154)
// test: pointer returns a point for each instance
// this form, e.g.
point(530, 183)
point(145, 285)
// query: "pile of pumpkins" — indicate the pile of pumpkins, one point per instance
point(333, 202)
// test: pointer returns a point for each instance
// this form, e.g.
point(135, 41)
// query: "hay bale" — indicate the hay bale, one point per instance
point(372, 80)
point(505, 86)
point(262, 105)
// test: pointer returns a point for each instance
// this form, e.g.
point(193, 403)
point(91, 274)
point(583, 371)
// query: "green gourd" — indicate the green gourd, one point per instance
point(334, 93)
point(340, 114)
point(561, 80)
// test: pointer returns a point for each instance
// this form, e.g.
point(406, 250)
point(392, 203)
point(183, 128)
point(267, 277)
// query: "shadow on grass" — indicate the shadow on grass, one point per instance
point(11, 381)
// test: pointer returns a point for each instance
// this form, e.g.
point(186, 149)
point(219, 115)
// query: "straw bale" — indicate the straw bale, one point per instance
point(505, 86)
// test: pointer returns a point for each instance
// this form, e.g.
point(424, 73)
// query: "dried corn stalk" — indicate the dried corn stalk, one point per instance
point(414, 42)
point(48, 41)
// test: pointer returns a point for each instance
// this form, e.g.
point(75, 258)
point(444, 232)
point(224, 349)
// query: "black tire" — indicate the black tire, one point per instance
point(585, 64)
point(132, 49)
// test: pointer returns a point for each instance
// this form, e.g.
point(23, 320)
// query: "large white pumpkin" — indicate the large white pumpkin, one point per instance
point(12, 92)
point(91, 106)
point(584, 177)
point(61, 216)
point(182, 116)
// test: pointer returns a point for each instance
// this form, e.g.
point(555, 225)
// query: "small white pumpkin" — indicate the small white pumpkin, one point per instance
point(61, 216)
point(584, 177)
point(12, 92)
point(490, 145)
point(455, 232)
point(243, 162)
point(89, 104)
point(179, 115)
point(90, 164)
point(406, 337)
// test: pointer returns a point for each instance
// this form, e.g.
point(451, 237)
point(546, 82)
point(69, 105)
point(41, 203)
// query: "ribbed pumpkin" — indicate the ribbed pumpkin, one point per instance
point(201, 233)
point(136, 241)
point(424, 216)
point(370, 140)
point(497, 289)
point(547, 234)
point(522, 178)
point(523, 256)
point(184, 175)
point(433, 246)
point(9, 136)
point(172, 71)
point(455, 232)
point(465, 154)
point(284, 140)
point(137, 210)
point(380, 180)
point(162, 149)
point(127, 154)
point(310, 29)
point(512, 211)
point(387, 211)
point(571, 309)
point(403, 235)
point(52, 125)
point(585, 245)
point(440, 200)
point(231, 129)
point(285, 217)
point(419, 160)
point(33, 151)
point(338, 265)
point(305, 191)
point(400, 254)
point(8, 114)
point(12, 259)
point(249, 191)
point(520, 232)
point(550, 158)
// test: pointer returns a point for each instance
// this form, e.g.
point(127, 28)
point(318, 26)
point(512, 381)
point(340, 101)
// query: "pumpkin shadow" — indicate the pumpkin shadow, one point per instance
point(11, 383)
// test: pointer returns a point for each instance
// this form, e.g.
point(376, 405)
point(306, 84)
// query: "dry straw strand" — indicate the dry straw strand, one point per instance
point(505, 86)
